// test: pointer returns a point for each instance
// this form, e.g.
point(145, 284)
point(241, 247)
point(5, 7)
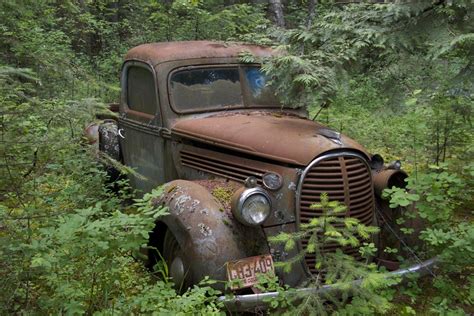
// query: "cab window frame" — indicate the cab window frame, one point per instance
point(124, 91)
point(245, 96)
point(197, 67)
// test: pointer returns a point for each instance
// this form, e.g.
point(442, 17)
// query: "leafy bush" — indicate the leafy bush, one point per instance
point(69, 240)
point(449, 234)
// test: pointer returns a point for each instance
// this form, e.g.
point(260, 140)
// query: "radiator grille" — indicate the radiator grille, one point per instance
point(219, 167)
point(346, 179)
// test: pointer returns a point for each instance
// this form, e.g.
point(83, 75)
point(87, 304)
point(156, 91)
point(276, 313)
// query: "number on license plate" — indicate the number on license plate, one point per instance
point(243, 273)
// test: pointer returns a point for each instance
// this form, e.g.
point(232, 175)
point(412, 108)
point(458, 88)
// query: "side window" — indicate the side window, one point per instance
point(141, 95)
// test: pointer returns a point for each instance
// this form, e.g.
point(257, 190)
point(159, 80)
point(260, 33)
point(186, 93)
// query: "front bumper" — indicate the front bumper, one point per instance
point(251, 301)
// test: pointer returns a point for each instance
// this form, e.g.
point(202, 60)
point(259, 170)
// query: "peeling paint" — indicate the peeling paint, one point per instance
point(195, 203)
point(205, 230)
point(292, 186)
point(180, 201)
point(279, 215)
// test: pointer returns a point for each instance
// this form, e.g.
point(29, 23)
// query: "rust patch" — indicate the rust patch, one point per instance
point(155, 53)
point(276, 113)
point(222, 190)
point(387, 178)
point(299, 140)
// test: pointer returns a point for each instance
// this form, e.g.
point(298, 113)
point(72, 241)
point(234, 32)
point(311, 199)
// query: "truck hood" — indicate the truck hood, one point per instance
point(284, 138)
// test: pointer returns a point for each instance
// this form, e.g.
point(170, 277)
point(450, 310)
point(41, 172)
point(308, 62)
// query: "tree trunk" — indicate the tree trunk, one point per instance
point(276, 11)
point(311, 13)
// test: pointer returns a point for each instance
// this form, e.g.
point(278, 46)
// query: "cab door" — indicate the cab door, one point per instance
point(140, 126)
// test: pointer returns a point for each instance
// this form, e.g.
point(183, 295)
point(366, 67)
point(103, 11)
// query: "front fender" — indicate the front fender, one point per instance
point(207, 232)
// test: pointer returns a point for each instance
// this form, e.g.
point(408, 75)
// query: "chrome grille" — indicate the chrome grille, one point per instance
point(345, 178)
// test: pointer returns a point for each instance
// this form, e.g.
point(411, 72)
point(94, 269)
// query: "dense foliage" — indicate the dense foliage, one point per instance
point(397, 77)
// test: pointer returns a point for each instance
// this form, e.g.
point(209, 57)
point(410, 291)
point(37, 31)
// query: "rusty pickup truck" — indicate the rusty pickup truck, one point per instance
point(237, 166)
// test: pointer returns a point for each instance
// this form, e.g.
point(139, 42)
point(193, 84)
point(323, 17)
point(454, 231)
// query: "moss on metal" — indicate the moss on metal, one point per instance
point(223, 194)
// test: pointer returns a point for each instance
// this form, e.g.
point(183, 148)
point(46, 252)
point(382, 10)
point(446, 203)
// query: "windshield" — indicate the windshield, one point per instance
point(217, 88)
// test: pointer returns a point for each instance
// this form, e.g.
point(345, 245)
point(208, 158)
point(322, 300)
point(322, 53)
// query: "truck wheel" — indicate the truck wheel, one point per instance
point(178, 263)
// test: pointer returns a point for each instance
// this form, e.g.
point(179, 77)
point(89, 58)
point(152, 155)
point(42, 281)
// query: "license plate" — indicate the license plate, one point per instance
point(243, 273)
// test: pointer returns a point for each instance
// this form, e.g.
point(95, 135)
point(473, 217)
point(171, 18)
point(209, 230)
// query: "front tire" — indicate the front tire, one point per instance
point(179, 269)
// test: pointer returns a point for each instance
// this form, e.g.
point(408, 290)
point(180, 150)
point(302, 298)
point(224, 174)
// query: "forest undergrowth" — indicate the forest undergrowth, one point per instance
point(396, 77)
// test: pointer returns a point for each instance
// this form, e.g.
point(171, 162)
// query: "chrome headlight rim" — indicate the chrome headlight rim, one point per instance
point(272, 186)
point(243, 197)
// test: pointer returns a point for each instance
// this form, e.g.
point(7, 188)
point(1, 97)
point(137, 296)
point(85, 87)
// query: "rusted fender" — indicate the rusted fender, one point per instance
point(207, 232)
point(91, 134)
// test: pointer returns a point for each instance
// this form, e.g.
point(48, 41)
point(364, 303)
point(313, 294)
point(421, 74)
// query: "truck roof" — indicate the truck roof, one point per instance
point(155, 53)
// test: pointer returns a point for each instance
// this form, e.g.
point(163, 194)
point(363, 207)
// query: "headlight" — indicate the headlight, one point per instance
point(252, 206)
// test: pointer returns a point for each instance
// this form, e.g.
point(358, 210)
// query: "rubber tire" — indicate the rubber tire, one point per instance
point(172, 252)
